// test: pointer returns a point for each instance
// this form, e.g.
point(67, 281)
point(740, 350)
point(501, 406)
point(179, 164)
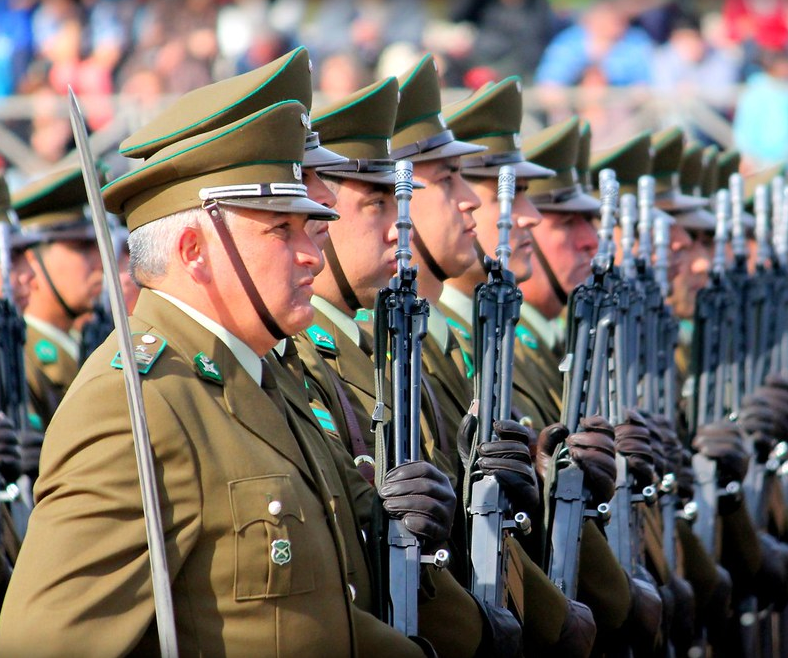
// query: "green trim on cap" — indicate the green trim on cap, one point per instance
point(216, 135)
point(415, 70)
point(222, 110)
point(418, 119)
point(345, 108)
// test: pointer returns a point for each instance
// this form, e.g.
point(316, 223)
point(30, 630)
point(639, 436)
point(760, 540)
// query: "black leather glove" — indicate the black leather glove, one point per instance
point(759, 420)
point(419, 494)
point(723, 442)
point(633, 440)
point(578, 632)
point(682, 628)
point(509, 461)
point(718, 613)
point(30, 443)
point(771, 581)
point(502, 634)
point(645, 615)
point(594, 452)
point(10, 453)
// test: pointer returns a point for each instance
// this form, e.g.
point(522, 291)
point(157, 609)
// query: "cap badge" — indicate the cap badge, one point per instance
point(280, 551)
point(297, 170)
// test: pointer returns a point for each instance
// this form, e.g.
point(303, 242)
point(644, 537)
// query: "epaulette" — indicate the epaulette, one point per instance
point(46, 351)
point(525, 337)
point(147, 350)
point(321, 339)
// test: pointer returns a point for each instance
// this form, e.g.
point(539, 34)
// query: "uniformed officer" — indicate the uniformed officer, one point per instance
point(67, 283)
point(260, 567)
point(491, 117)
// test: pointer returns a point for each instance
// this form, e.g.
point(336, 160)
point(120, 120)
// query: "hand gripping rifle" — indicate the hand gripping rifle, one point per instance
point(710, 350)
point(162, 595)
point(496, 312)
point(401, 324)
point(624, 532)
point(591, 307)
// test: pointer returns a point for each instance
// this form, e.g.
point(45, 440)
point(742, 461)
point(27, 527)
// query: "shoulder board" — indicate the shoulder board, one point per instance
point(470, 370)
point(321, 338)
point(459, 328)
point(525, 337)
point(363, 315)
point(46, 351)
point(147, 350)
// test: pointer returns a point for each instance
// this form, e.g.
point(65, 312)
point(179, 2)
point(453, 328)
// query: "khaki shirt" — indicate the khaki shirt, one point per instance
point(234, 476)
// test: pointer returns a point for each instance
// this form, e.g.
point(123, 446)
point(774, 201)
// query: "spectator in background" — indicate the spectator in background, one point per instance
point(689, 67)
point(340, 75)
point(760, 122)
point(756, 25)
point(601, 38)
point(511, 36)
point(16, 42)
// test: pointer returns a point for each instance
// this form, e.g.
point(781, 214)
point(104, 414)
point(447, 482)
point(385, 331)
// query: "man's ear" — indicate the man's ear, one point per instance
point(193, 254)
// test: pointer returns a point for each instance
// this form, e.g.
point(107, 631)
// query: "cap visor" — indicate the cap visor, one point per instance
point(322, 157)
point(521, 170)
point(453, 149)
point(697, 220)
point(678, 202)
point(375, 177)
point(582, 203)
point(288, 204)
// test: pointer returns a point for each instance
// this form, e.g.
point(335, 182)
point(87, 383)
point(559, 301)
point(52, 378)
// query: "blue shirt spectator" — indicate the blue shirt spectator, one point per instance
point(16, 41)
point(602, 39)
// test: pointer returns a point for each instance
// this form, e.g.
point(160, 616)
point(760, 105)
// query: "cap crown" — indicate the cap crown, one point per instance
point(691, 168)
point(360, 126)
point(224, 102)
point(263, 148)
point(629, 160)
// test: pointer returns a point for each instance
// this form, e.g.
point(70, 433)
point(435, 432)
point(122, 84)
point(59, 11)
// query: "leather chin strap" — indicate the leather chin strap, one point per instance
point(558, 291)
point(70, 312)
point(479, 253)
point(230, 248)
point(345, 289)
point(429, 260)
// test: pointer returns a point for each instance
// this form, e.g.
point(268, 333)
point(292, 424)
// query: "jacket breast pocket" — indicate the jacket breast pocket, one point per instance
point(271, 542)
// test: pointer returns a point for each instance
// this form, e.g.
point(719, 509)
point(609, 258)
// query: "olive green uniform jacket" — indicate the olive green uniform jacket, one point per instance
point(49, 369)
point(233, 477)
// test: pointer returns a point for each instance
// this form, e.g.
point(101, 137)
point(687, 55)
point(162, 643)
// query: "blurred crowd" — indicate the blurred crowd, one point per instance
point(147, 49)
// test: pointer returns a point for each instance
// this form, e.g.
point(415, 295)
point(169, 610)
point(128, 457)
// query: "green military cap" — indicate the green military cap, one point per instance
point(359, 127)
point(224, 102)
point(252, 163)
point(54, 207)
point(420, 131)
point(727, 163)
point(584, 156)
point(689, 211)
point(491, 117)
point(557, 147)
point(709, 178)
point(630, 160)
point(691, 168)
point(17, 239)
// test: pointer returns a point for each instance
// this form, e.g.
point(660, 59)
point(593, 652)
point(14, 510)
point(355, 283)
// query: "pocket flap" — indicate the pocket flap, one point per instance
point(266, 498)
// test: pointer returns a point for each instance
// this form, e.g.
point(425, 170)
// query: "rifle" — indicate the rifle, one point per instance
point(624, 532)
point(401, 322)
point(496, 312)
point(591, 307)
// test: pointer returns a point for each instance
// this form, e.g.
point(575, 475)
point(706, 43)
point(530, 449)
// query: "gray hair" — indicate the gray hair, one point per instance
point(151, 246)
